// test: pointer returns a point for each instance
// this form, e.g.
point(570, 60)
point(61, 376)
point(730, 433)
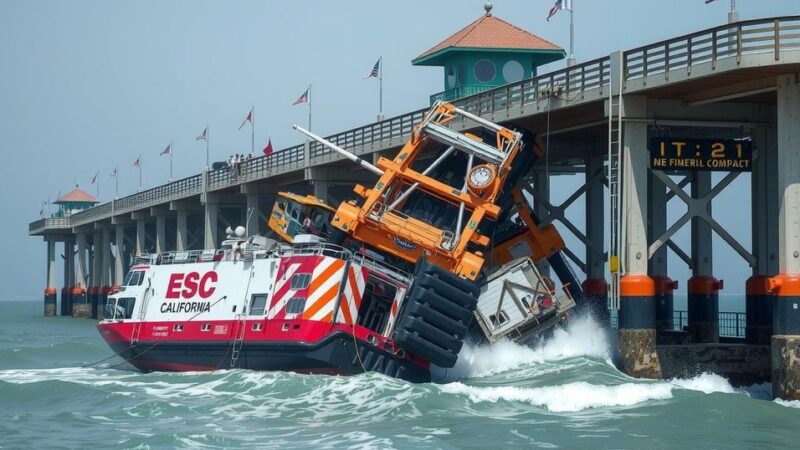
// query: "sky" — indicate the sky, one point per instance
point(89, 86)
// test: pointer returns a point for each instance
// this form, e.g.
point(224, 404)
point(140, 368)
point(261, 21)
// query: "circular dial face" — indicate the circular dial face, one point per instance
point(481, 176)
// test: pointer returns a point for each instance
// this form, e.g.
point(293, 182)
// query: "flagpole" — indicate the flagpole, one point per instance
point(309, 107)
point(571, 59)
point(733, 16)
point(380, 89)
point(208, 164)
point(98, 184)
point(252, 129)
point(140, 172)
point(171, 151)
point(116, 182)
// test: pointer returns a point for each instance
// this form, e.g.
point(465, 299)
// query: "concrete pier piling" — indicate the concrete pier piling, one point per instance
point(786, 286)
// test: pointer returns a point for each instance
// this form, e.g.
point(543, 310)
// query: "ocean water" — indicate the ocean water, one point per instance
point(563, 394)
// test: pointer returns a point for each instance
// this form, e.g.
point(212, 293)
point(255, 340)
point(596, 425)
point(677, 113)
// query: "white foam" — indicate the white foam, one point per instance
point(578, 396)
point(583, 336)
point(788, 403)
point(571, 397)
point(707, 383)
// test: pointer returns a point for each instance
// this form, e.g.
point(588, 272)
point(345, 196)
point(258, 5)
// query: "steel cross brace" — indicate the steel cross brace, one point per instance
point(698, 208)
point(558, 213)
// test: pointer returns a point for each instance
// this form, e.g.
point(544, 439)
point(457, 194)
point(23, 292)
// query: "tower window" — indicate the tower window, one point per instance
point(484, 71)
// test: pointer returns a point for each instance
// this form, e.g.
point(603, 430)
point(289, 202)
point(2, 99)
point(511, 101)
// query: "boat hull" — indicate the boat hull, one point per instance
point(334, 354)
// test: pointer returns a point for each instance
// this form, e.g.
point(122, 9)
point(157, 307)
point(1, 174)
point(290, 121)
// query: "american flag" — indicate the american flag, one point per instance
point(303, 98)
point(558, 6)
point(376, 70)
point(202, 137)
point(167, 150)
point(137, 163)
point(249, 118)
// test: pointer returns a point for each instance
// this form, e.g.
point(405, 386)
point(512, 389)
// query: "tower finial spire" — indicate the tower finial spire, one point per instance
point(488, 7)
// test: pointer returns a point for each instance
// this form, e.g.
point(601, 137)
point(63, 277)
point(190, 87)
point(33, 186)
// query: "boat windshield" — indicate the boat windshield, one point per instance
point(119, 308)
point(134, 278)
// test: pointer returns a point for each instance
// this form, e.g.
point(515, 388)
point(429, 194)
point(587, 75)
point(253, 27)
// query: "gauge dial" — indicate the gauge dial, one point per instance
point(481, 176)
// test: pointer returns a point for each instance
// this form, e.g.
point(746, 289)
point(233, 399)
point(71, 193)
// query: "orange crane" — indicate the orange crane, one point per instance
point(385, 221)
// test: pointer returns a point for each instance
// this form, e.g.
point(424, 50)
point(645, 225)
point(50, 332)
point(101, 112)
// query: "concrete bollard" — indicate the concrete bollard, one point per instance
point(50, 302)
point(785, 346)
point(637, 327)
point(703, 304)
point(759, 303)
point(81, 308)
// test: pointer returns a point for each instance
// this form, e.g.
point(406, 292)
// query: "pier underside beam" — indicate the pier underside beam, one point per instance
point(786, 327)
point(210, 220)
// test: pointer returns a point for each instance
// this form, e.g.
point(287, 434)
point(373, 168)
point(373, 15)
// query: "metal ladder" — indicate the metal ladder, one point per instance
point(241, 323)
point(238, 342)
point(615, 228)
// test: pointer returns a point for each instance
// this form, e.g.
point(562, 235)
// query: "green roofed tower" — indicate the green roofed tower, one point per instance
point(487, 53)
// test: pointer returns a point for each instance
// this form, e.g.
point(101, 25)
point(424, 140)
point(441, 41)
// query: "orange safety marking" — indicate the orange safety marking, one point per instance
point(637, 286)
point(323, 277)
point(329, 295)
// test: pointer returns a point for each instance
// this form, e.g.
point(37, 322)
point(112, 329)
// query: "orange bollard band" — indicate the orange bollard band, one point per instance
point(703, 285)
point(637, 286)
point(785, 285)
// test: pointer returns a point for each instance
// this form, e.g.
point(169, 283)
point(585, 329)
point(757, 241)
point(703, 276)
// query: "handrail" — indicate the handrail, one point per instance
point(574, 83)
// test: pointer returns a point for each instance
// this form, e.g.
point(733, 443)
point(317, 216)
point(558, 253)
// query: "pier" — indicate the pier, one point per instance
point(644, 127)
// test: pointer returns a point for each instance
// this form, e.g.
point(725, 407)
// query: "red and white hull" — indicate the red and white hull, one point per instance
point(315, 309)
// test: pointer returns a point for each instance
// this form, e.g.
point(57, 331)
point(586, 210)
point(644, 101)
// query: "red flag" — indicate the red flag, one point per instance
point(268, 148)
point(249, 118)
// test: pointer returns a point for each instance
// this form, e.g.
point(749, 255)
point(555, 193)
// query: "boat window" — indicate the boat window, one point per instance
point(120, 308)
point(301, 280)
point(134, 278)
point(258, 303)
point(499, 319)
point(296, 305)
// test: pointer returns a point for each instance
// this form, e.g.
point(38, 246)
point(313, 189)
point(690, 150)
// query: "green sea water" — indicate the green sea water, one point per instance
point(562, 394)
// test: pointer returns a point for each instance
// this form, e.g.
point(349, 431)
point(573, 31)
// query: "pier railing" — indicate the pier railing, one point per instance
point(731, 324)
point(572, 85)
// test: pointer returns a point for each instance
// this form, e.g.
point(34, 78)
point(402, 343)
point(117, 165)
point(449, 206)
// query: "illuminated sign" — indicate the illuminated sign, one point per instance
point(727, 155)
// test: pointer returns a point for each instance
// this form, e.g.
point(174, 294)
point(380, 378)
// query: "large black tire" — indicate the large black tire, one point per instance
point(437, 312)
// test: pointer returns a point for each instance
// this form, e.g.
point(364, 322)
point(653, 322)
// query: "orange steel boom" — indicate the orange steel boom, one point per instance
point(382, 222)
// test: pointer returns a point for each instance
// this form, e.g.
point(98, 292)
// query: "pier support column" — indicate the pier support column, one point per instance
point(80, 307)
point(210, 218)
point(119, 261)
point(97, 272)
point(595, 287)
point(637, 314)
point(50, 290)
point(658, 266)
point(69, 276)
point(253, 215)
point(786, 315)
point(107, 269)
point(181, 230)
point(321, 189)
point(141, 236)
point(764, 226)
point(702, 289)
point(161, 234)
